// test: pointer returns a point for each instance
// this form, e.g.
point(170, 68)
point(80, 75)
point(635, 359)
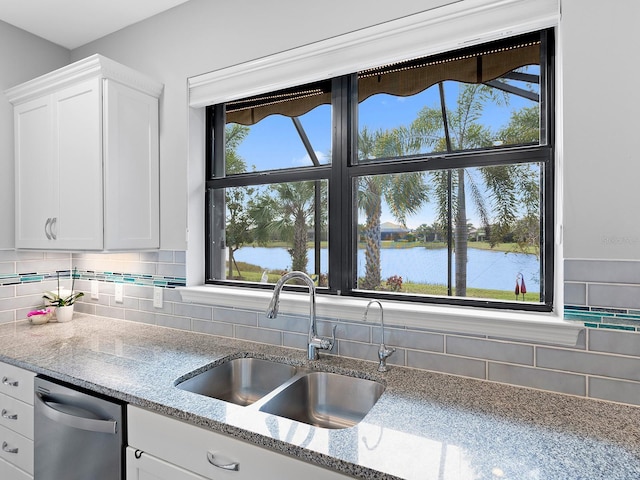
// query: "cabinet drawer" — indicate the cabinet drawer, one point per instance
point(16, 382)
point(10, 472)
point(188, 446)
point(16, 415)
point(16, 449)
point(148, 467)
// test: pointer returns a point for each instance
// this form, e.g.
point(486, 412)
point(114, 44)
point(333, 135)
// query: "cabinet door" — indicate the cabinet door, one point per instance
point(132, 179)
point(214, 455)
point(11, 472)
point(35, 180)
point(147, 467)
point(78, 147)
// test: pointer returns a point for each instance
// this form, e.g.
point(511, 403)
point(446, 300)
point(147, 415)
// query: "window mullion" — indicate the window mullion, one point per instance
point(340, 190)
point(215, 207)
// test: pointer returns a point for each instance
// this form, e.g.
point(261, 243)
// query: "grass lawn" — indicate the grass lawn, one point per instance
point(252, 273)
point(502, 247)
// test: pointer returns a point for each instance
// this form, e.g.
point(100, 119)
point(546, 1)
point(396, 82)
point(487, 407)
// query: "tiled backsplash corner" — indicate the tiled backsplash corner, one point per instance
point(603, 293)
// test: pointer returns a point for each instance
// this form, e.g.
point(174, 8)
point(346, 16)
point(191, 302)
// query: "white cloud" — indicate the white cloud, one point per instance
point(306, 160)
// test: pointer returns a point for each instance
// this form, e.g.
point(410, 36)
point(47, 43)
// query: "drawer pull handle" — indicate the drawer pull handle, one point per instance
point(6, 381)
point(234, 466)
point(5, 447)
point(8, 416)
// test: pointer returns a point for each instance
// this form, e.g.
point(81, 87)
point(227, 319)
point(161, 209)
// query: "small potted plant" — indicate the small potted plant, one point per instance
point(63, 300)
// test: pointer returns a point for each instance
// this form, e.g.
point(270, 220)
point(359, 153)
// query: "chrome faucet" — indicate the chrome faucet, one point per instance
point(383, 351)
point(315, 342)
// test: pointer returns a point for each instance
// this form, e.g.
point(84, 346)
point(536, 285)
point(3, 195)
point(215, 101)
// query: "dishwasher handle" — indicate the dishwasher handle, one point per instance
point(82, 423)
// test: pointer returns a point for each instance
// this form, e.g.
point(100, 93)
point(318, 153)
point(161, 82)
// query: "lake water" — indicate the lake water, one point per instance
point(485, 268)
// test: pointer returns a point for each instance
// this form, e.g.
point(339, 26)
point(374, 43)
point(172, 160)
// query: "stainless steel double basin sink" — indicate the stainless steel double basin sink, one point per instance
point(321, 399)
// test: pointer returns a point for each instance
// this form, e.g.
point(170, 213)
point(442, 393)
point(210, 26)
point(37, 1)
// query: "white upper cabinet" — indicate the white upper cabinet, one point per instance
point(87, 158)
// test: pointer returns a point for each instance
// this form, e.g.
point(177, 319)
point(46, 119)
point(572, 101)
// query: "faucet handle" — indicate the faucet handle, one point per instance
point(333, 338)
point(327, 344)
point(324, 343)
point(384, 352)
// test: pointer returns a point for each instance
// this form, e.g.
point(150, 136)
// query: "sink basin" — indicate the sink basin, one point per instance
point(325, 400)
point(242, 381)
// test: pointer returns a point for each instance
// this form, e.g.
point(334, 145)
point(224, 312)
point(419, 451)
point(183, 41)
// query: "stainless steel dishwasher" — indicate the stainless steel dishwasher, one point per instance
point(77, 436)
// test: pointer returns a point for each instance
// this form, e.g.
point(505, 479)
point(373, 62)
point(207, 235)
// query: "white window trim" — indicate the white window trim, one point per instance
point(448, 27)
point(445, 28)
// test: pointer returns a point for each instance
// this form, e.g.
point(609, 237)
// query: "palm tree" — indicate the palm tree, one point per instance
point(404, 194)
point(505, 183)
point(288, 209)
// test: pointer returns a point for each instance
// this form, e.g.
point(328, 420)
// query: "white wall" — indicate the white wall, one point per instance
point(22, 57)
point(601, 103)
point(599, 98)
point(201, 36)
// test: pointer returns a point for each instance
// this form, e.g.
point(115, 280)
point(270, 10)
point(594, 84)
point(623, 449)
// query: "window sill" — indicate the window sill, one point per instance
point(522, 326)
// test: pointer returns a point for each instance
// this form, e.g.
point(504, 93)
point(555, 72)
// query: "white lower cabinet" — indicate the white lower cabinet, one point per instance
point(11, 472)
point(171, 448)
point(16, 423)
point(142, 466)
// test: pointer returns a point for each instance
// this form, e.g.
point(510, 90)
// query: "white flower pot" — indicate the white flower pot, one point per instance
point(64, 314)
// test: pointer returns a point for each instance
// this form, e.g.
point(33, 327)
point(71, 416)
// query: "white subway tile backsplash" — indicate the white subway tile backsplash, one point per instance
point(612, 341)
point(212, 328)
point(490, 350)
point(193, 311)
point(537, 378)
point(607, 361)
point(602, 271)
point(294, 340)
point(170, 321)
point(589, 363)
point(419, 340)
point(614, 390)
point(447, 364)
point(240, 317)
point(7, 316)
point(575, 293)
point(616, 296)
point(261, 335)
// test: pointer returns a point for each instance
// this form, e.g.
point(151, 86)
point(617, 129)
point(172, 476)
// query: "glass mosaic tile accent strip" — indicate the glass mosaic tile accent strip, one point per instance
point(115, 277)
point(133, 279)
point(20, 278)
point(607, 318)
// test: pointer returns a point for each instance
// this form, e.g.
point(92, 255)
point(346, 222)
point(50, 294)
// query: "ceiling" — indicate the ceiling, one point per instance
point(73, 23)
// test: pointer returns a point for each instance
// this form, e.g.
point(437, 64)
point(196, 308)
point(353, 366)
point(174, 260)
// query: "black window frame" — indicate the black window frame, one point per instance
point(344, 167)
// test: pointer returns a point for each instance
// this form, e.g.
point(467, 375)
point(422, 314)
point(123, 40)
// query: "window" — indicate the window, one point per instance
point(429, 180)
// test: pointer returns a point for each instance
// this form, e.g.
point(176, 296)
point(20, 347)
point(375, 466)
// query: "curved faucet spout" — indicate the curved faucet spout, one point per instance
point(314, 342)
point(383, 351)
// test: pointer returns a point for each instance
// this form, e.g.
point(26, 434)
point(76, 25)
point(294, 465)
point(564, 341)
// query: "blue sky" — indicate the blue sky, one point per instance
point(274, 142)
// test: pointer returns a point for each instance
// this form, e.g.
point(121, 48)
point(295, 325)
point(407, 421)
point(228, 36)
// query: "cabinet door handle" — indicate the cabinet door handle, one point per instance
point(46, 228)
point(233, 466)
point(11, 383)
point(5, 447)
point(9, 416)
point(54, 221)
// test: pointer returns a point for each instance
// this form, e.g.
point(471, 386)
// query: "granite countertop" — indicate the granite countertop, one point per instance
point(425, 425)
